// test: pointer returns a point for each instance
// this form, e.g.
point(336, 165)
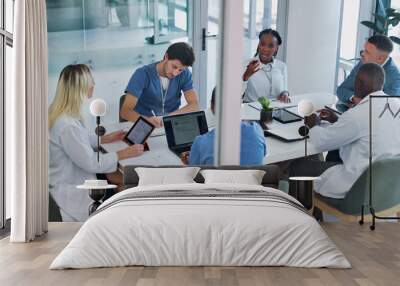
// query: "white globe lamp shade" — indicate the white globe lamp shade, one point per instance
point(305, 108)
point(98, 107)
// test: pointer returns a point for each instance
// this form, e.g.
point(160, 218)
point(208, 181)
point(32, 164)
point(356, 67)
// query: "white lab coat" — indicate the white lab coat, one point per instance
point(350, 134)
point(72, 160)
point(270, 80)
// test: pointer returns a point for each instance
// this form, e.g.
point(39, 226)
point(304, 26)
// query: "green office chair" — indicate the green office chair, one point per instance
point(385, 194)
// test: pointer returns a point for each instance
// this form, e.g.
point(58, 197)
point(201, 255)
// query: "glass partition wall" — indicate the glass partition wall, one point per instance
point(257, 15)
point(395, 4)
point(114, 37)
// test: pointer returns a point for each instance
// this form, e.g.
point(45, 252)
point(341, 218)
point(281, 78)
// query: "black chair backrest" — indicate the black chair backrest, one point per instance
point(54, 210)
point(121, 102)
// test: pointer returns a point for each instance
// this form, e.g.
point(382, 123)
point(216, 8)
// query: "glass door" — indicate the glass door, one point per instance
point(257, 15)
point(211, 36)
point(170, 20)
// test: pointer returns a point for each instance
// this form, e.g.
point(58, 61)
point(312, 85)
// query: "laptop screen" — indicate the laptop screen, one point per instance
point(182, 129)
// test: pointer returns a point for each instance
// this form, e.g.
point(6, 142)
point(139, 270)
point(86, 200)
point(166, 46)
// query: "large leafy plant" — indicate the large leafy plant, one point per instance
point(389, 18)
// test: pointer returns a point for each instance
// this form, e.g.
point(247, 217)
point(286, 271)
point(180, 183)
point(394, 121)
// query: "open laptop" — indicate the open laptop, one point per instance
point(182, 129)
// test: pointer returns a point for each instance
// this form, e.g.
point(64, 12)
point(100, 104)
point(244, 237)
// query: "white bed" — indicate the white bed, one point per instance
point(242, 226)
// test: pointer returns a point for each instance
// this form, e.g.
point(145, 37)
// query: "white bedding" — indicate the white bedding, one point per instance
point(200, 231)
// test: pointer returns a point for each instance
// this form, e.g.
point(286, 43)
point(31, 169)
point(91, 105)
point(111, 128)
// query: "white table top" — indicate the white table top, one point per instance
point(277, 150)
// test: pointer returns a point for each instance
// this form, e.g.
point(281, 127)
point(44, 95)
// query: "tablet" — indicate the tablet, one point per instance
point(285, 116)
point(283, 136)
point(139, 132)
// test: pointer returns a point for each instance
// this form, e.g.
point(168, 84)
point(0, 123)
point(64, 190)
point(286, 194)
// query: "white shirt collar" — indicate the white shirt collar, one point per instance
point(365, 99)
point(384, 63)
point(272, 63)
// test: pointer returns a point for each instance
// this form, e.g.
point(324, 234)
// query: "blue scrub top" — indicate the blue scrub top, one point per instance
point(146, 86)
point(252, 146)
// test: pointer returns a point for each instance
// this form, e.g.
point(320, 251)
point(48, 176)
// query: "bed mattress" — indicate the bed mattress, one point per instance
point(201, 225)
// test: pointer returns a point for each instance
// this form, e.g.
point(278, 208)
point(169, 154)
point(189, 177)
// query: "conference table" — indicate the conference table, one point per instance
point(277, 150)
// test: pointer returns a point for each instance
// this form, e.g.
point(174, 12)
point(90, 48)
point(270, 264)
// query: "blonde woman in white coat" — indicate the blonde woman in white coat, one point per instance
point(71, 147)
point(265, 75)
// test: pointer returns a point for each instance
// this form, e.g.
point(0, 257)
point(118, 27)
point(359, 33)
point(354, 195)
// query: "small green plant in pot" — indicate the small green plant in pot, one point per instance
point(266, 111)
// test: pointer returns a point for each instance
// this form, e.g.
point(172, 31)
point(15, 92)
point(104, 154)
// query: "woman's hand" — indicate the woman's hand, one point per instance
point(252, 68)
point(131, 151)
point(284, 97)
point(112, 137)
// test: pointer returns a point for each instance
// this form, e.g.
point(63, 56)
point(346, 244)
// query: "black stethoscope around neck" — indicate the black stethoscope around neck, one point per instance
point(267, 69)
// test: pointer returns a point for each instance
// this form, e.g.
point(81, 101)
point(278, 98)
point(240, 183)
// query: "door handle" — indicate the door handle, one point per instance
point(204, 36)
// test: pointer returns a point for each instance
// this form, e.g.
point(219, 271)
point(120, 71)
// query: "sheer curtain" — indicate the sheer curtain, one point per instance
point(27, 133)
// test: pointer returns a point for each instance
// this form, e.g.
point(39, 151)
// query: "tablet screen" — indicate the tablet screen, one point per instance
point(139, 131)
point(285, 116)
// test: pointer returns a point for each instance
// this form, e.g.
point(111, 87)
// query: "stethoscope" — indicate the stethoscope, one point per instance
point(163, 96)
point(267, 69)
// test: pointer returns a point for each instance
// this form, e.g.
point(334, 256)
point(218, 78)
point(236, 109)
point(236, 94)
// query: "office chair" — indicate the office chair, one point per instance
point(385, 193)
point(121, 102)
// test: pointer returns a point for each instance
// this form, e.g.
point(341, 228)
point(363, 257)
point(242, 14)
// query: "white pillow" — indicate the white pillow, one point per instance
point(166, 176)
point(249, 177)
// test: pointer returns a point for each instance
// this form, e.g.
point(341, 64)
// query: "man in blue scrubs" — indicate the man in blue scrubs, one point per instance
point(252, 145)
point(155, 90)
point(377, 50)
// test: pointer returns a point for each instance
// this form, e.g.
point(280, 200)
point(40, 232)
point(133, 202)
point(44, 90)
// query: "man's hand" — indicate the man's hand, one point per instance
point(156, 121)
point(312, 120)
point(284, 97)
point(185, 157)
point(112, 137)
point(252, 68)
point(327, 115)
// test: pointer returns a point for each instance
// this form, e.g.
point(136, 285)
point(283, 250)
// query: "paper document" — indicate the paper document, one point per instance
point(154, 158)
point(158, 132)
point(115, 146)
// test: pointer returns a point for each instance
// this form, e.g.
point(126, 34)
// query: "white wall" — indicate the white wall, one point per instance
point(312, 43)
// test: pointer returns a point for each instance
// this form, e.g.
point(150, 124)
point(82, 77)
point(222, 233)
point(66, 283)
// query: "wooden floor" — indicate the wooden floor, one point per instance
point(375, 257)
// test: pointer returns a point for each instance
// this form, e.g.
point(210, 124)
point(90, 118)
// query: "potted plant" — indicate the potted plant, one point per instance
point(266, 111)
point(385, 20)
